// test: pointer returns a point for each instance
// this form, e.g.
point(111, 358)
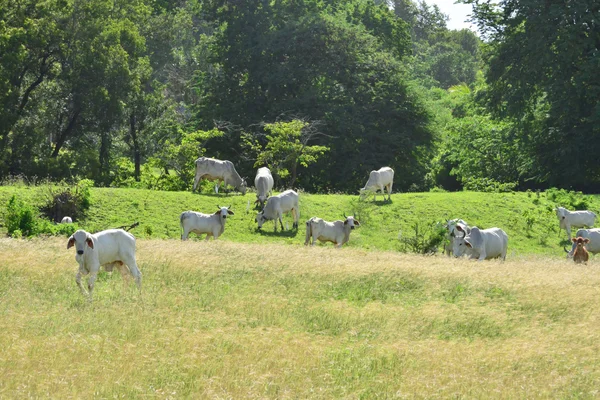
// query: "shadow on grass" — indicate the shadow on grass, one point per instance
point(269, 233)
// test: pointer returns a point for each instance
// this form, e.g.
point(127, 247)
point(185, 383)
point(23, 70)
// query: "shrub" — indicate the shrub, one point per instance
point(568, 199)
point(66, 200)
point(424, 241)
point(489, 185)
point(20, 218)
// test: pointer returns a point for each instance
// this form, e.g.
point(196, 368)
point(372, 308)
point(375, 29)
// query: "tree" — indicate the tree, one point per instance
point(543, 62)
point(287, 147)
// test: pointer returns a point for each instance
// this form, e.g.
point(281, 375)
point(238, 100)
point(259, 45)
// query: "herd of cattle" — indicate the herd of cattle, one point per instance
point(116, 247)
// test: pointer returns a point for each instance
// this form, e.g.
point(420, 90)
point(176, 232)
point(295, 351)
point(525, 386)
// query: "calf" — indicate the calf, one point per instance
point(576, 219)
point(580, 255)
point(337, 232)
point(277, 206)
point(108, 248)
point(593, 246)
point(199, 223)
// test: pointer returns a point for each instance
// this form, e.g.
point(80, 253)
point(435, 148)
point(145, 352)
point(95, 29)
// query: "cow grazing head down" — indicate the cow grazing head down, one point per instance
point(261, 219)
point(224, 212)
point(243, 186)
point(80, 239)
point(580, 254)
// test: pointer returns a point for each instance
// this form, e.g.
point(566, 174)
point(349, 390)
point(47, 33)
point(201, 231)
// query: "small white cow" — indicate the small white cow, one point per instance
point(220, 171)
point(575, 219)
point(109, 248)
point(593, 246)
point(378, 180)
point(451, 232)
point(263, 182)
point(337, 232)
point(277, 206)
point(481, 244)
point(66, 220)
point(199, 223)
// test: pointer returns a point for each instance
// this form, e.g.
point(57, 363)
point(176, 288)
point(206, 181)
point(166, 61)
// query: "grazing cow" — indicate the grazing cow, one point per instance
point(199, 223)
point(66, 220)
point(378, 180)
point(277, 206)
point(575, 219)
point(593, 246)
point(217, 170)
point(112, 247)
point(263, 182)
point(481, 244)
point(580, 255)
point(451, 233)
point(337, 232)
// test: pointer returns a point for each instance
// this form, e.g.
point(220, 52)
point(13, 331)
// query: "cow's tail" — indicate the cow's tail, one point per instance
point(182, 217)
point(308, 232)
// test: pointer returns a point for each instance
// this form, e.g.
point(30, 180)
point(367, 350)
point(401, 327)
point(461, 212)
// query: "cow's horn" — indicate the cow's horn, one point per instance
point(229, 206)
point(344, 214)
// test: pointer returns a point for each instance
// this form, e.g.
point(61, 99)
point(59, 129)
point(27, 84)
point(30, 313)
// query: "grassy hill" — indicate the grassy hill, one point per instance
point(528, 218)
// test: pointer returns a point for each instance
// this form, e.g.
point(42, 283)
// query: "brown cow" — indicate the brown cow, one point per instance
point(581, 255)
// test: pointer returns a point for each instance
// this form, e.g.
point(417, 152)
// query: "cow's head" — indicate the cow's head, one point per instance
point(224, 212)
point(261, 219)
point(560, 213)
point(580, 241)
point(350, 221)
point(81, 240)
point(460, 243)
point(261, 200)
point(243, 186)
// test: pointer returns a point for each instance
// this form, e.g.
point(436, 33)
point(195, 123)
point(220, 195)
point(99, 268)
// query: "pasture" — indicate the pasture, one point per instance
point(247, 320)
point(527, 218)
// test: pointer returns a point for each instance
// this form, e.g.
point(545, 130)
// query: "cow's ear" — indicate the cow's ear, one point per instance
point(71, 242)
point(468, 244)
point(230, 212)
point(345, 222)
point(217, 212)
point(90, 242)
point(459, 228)
point(356, 222)
point(586, 240)
point(574, 240)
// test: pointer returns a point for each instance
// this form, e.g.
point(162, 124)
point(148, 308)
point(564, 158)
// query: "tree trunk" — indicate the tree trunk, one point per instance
point(62, 137)
point(136, 146)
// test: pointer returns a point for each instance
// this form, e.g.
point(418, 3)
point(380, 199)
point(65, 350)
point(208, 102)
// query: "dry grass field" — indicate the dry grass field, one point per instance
point(231, 320)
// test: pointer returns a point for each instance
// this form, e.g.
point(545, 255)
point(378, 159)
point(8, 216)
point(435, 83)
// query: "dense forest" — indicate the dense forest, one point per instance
point(131, 92)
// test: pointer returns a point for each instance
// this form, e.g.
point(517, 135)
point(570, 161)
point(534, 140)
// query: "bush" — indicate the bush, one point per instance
point(67, 201)
point(20, 218)
point(424, 241)
point(568, 199)
point(489, 185)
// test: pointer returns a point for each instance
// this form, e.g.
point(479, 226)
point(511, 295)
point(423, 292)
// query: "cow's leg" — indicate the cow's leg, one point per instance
point(92, 280)
point(280, 223)
point(185, 235)
point(208, 235)
point(78, 280)
point(196, 180)
point(296, 215)
point(482, 255)
point(568, 229)
point(134, 270)
point(389, 188)
point(217, 187)
point(315, 237)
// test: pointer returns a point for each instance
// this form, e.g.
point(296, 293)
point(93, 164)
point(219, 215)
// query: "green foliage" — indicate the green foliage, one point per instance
point(20, 218)
point(488, 185)
point(569, 199)
point(63, 200)
point(426, 240)
point(286, 148)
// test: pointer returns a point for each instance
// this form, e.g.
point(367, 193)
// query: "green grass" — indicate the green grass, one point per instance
point(234, 320)
point(382, 223)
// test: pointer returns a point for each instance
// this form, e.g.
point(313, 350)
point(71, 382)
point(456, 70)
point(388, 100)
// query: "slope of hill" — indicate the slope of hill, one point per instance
point(528, 218)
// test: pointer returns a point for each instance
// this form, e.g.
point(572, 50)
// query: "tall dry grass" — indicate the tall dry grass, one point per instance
point(225, 320)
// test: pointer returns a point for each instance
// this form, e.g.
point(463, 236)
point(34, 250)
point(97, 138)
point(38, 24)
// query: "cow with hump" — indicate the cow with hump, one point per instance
point(575, 219)
point(337, 232)
point(219, 171)
point(379, 180)
point(263, 182)
point(283, 203)
point(481, 244)
point(199, 223)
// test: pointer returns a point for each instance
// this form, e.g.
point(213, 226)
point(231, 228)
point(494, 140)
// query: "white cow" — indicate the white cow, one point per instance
point(199, 223)
point(575, 219)
point(451, 231)
point(277, 206)
point(594, 244)
point(481, 244)
point(217, 170)
point(112, 247)
point(337, 232)
point(378, 180)
point(66, 220)
point(263, 182)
